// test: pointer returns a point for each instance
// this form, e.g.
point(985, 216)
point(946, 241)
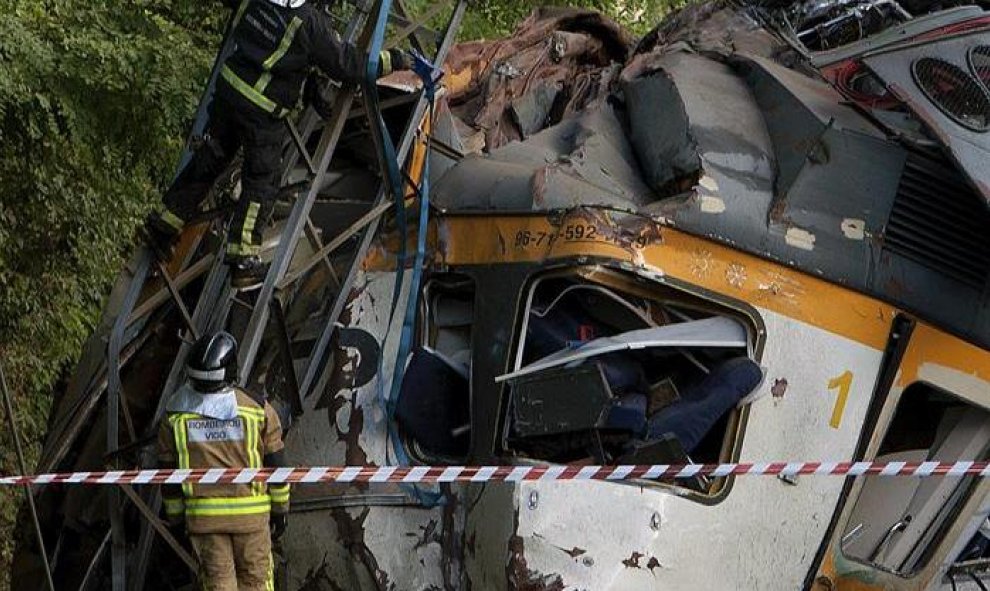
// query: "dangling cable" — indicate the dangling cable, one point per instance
point(430, 77)
point(388, 157)
point(427, 72)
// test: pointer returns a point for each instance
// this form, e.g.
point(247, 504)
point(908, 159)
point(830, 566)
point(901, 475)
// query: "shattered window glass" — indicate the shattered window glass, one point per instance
point(433, 408)
point(614, 372)
point(954, 91)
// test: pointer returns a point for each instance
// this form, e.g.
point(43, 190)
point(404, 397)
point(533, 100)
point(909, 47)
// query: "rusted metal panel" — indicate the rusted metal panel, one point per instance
point(554, 65)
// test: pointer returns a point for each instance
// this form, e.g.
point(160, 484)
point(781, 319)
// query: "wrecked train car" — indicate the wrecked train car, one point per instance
point(616, 226)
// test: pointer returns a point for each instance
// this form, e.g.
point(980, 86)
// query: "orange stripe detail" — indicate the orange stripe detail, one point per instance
point(494, 239)
point(490, 239)
point(931, 346)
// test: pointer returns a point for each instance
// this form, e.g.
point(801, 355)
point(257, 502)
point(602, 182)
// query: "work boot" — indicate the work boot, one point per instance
point(159, 235)
point(247, 272)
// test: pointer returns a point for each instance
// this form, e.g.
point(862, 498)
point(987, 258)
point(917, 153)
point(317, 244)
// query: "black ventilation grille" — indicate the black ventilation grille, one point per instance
point(954, 91)
point(939, 221)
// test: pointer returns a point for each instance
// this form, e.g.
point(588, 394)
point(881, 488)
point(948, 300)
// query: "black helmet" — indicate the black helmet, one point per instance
point(212, 362)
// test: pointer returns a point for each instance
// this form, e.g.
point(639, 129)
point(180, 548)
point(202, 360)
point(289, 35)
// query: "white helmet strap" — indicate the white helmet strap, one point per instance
point(288, 3)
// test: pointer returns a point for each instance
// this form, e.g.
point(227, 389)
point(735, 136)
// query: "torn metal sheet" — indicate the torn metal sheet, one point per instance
point(720, 332)
point(554, 65)
point(585, 160)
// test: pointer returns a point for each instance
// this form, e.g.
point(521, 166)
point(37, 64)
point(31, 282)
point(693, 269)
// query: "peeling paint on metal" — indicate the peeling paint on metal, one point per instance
point(351, 531)
point(633, 560)
point(712, 204)
point(800, 238)
point(708, 182)
point(521, 577)
point(854, 229)
point(779, 388)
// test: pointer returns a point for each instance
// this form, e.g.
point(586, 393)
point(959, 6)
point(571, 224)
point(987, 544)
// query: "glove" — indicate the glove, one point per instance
point(427, 72)
point(314, 98)
point(393, 60)
point(177, 529)
point(278, 522)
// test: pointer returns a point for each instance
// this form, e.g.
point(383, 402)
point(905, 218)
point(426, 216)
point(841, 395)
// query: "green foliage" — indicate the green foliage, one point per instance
point(94, 100)
point(488, 19)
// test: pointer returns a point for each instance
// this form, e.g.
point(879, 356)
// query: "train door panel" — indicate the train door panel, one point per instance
point(897, 532)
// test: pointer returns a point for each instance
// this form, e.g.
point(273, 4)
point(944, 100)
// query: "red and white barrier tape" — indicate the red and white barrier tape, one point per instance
point(434, 474)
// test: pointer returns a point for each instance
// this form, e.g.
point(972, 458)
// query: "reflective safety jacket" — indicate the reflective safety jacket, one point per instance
point(274, 48)
point(227, 429)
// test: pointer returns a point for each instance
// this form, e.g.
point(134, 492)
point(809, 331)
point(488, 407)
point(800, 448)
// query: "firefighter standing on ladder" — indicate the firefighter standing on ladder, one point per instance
point(276, 44)
point(211, 423)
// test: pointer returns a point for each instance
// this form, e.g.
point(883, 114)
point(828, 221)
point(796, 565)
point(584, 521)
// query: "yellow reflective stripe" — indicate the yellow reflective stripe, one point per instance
point(386, 60)
point(225, 501)
point(243, 250)
point(259, 508)
point(182, 447)
point(174, 506)
point(252, 427)
point(253, 441)
point(260, 412)
point(270, 578)
point(173, 220)
point(260, 487)
point(256, 418)
point(250, 218)
point(283, 47)
point(270, 581)
point(219, 506)
point(250, 93)
point(279, 493)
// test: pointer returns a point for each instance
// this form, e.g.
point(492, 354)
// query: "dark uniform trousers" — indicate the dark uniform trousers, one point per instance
point(234, 123)
point(259, 83)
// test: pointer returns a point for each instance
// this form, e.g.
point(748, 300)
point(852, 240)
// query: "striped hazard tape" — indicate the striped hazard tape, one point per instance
point(434, 474)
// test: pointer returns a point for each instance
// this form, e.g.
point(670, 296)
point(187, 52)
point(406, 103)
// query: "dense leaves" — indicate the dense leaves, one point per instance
point(95, 98)
point(496, 18)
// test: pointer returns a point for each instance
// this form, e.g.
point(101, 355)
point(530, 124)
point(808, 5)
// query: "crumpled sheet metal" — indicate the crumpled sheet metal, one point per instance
point(583, 161)
point(555, 64)
point(704, 28)
point(733, 175)
point(544, 89)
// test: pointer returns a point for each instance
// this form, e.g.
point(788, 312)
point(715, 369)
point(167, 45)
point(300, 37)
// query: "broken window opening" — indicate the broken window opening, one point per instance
point(971, 565)
point(433, 409)
point(897, 523)
point(613, 370)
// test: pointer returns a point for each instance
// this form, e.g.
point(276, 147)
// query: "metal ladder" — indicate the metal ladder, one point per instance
point(259, 321)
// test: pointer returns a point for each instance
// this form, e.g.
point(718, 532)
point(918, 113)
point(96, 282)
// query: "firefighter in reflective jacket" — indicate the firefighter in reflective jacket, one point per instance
point(276, 45)
point(212, 424)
